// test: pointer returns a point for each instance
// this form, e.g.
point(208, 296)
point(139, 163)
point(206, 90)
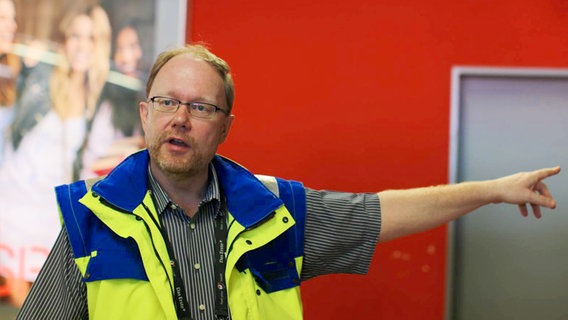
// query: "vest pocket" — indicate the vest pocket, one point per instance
point(116, 263)
point(272, 266)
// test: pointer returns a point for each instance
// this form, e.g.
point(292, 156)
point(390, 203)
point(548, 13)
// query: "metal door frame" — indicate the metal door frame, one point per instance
point(458, 73)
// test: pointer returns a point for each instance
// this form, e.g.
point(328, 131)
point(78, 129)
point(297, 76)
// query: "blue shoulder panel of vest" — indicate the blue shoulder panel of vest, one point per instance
point(67, 196)
point(112, 257)
point(294, 196)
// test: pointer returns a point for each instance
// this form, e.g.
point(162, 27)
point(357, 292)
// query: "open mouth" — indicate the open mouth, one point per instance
point(178, 142)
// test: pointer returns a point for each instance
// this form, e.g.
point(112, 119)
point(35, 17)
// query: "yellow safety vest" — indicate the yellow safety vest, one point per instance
point(124, 261)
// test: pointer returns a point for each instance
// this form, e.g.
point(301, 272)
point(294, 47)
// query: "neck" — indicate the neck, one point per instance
point(187, 191)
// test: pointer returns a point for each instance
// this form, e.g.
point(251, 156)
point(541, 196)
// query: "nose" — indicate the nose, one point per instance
point(182, 118)
point(86, 44)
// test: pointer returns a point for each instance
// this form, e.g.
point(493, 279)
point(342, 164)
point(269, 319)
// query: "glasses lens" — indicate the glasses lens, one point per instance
point(201, 110)
point(165, 104)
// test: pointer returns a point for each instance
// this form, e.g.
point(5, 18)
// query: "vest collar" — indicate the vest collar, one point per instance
point(248, 200)
point(126, 185)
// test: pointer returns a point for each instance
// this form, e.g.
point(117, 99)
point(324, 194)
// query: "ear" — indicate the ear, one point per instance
point(143, 106)
point(226, 127)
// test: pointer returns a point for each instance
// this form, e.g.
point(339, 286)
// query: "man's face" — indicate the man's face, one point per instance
point(178, 143)
point(7, 25)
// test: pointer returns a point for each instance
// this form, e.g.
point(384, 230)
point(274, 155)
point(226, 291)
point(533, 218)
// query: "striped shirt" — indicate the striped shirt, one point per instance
point(341, 233)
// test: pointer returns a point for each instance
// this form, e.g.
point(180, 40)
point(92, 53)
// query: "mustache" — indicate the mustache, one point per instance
point(169, 136)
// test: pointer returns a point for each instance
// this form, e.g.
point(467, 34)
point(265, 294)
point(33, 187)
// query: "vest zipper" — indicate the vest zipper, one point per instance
point(149, 212)
point(119, 209)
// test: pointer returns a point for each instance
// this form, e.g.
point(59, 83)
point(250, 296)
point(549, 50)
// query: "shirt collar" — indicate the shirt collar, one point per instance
point(162, 200)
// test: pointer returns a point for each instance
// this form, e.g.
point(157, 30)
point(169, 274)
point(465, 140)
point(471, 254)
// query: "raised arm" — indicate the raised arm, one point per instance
point(410, 211)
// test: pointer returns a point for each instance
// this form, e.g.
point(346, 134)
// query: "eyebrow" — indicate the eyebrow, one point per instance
point(174, 95)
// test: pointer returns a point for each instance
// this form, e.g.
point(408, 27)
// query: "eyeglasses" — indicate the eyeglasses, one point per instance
point(201, 110)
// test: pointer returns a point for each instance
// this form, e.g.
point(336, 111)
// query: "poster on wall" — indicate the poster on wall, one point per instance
point(71, 75)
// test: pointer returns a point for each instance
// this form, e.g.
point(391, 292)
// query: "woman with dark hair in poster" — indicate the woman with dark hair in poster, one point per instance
point(46, 136)
point(115, 131)
point(127, 51)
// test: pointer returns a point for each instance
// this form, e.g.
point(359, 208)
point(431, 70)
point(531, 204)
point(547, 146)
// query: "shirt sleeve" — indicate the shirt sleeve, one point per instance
point(58, 292)
point(341, 232)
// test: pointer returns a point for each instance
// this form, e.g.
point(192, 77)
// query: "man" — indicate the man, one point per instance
point(176, 231)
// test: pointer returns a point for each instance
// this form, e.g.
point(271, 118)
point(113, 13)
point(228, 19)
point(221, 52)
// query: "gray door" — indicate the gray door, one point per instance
point(505, 266)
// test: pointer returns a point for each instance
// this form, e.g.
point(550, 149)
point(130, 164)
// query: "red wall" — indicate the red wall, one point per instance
point(354, 95)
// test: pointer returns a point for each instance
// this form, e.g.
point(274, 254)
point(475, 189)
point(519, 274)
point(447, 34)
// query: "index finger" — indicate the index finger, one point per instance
point(547, 172)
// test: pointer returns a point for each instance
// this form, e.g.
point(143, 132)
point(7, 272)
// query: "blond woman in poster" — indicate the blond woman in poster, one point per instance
point(44, 143)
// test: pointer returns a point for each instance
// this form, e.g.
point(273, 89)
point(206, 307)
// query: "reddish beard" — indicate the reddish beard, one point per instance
point(191, 164)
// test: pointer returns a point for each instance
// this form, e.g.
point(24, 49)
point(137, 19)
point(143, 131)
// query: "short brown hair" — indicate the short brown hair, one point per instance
point(201, 52)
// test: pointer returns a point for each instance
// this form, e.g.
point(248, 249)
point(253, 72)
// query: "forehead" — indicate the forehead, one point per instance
point(7, 9)
point(185, 74)
point(81, 24)
point(127, 35)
